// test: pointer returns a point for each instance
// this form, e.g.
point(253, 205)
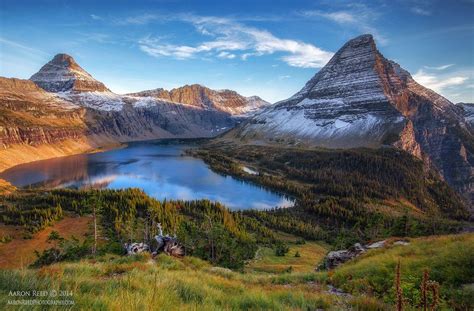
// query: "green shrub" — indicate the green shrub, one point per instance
point(281, 249)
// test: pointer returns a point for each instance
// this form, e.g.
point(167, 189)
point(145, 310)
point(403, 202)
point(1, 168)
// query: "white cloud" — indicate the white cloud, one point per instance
point(138, 20)
point(442, 67)
point(95, 17)
point(227, 55)
point(438, 84)
point(230, 36)
point(420, 11)
point(341, 17)
point(355, 16)
point(23, 48)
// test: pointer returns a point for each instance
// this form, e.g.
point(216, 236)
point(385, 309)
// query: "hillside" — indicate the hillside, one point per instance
point(35, 125)
point(343, 196)
point(448, 260)
point(361, 99)
point(111, 281)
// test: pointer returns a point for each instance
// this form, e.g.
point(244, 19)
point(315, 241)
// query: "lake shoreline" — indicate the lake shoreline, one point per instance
point(162, 168)
point(6, 165)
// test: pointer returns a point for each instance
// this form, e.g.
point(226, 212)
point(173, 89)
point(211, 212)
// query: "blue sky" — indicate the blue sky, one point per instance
point(265, 48)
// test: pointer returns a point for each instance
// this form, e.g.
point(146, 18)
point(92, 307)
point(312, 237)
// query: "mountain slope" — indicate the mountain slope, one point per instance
point(35, 124)
point(361, 99)
point(125, 117)
point(200, 96)
point(63, 74)
point(468, 110)
point(63, 110)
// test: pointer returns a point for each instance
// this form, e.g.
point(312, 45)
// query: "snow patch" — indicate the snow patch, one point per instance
point(249, 170)
point(104, 101)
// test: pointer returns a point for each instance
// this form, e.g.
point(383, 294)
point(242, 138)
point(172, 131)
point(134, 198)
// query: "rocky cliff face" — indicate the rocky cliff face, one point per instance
point(64, 110)
point(468, 112)
point(29, 115)
point(63, 74)
point(128, 117)
point(199, 96)
point(361, 99)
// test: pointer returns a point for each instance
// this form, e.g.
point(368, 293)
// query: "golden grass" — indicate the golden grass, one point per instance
point(139, 283)
point(6, 187)
point(311, 254)
point(449, 260)
point(20, 252)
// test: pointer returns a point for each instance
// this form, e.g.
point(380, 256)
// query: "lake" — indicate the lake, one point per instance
point(159, 168)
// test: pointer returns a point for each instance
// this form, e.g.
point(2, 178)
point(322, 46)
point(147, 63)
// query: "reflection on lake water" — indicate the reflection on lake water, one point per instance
point(159, 169)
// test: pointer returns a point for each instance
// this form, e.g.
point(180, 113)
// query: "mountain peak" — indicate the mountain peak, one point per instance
point(365, 38)
point(63, 74)
point(361, 99)
point(63, 58)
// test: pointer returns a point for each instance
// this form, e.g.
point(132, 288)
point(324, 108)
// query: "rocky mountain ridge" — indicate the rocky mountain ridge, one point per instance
point(200, 96)
point(29, 115)
point(64, 110)
point(468, 112)
point(361, 99)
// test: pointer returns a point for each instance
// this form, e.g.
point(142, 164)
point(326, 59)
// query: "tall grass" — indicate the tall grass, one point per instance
point(139, 283)
point(449, 260)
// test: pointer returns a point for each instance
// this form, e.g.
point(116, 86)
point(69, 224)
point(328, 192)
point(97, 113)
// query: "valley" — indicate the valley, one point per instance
point(255, 194)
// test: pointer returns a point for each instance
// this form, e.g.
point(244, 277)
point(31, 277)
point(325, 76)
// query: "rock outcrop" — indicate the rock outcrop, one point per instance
point(337, 258)
point(29, 115)
point(200, 96)
point(361, 99)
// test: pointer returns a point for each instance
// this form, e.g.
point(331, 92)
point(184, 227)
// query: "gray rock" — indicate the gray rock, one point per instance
point(378, 244)
point(361, 99)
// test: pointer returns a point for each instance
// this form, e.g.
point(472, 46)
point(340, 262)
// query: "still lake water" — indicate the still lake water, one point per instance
point(160, 169)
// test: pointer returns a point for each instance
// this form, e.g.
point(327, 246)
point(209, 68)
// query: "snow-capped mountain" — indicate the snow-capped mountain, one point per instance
point(127, 117)
point(468, 109)
point(63, 74)
point(361, 99)
point(200, 96)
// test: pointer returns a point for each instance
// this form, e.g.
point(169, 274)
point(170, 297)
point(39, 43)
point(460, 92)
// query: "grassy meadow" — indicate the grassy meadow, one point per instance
point(111, 282)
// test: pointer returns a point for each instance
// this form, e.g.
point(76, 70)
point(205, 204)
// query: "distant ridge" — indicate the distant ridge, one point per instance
point(204, 97)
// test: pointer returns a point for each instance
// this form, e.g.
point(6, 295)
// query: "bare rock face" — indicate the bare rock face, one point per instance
point(122, 118)
point(342, 106)
point(468, 112)
point(63, 74)
point(361, 99)
point(29, 115)
point(199, 96)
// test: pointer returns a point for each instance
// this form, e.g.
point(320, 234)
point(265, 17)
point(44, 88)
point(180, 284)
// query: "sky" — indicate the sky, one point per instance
point(257, 47)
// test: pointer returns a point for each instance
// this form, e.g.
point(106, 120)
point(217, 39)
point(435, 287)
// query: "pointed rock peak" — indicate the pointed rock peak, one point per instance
point(363, 43)
point(63, 59)
point(362, 39)
point(63, 74)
